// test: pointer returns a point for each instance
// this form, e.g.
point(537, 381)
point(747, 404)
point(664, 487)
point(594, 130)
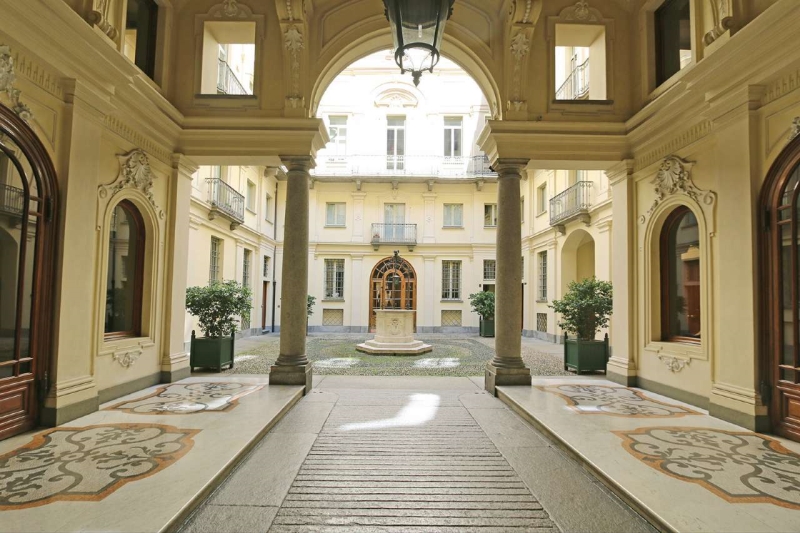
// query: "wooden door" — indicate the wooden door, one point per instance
point(691, 291)
point(392, 288)
point(27, 207)
point(781, 297)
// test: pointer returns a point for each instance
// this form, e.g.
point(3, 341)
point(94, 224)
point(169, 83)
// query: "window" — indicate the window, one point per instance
point(246, 268)
point(334, 278)
point(453, 215)
point(452, 136)
point(335, 214)
point(522, 209)
point(541, 198)
point(542, 277)
point(451, 280)
point(395, 142)
point(673, 35)
point(489, 215)
point(265, 272)
point(124, 278)
point(680, 277)
point(576, 77)
point(141, 27)
point(215, 265)
point(268, 208)
point(337, 131)
point(522, 266)
point(251, 196)
point(229, 58)
point(489, 269)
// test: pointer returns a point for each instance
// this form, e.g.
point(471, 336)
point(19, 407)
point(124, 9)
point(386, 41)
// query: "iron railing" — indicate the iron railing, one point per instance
point(576, 86)
point(403, 165)
point(12, 200)
point(572, 202)
point(227, 82)
point(394, 234)
point(225, 199)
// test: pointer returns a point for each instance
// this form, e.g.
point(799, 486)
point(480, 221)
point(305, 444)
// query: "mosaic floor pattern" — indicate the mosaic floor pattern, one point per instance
point(614, 401)
point(87, 463)
point(740, 467)
point(189, 398)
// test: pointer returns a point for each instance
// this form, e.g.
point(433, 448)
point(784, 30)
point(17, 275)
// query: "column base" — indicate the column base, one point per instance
point(496, 376)
point(621, 371)
point(291, 375)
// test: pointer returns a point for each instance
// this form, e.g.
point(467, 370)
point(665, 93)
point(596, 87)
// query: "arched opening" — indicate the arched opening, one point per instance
point(780, 294)
point(679, 264)
point(577, 258)
point(27, 207)
point(392, 287)
point(125, 272)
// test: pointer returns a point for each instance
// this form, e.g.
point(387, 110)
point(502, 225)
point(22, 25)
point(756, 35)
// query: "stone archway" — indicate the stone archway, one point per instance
point(577, 258)
point(392, 288)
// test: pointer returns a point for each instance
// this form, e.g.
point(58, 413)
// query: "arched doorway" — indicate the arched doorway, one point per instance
point(577, 258)
point(392, 287)
point(781, 295)
point(27, 209)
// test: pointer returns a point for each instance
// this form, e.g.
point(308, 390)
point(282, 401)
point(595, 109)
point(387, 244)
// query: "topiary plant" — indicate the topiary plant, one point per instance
point(310, 301)
point(483, 304)
point(217, 304)
point(585, 308)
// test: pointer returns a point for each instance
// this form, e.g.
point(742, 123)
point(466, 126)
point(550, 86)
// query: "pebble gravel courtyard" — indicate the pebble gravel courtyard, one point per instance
point(452, 355)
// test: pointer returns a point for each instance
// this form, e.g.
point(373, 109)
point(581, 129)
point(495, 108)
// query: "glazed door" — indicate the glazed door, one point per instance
point(392, 288)
point(24, 207)
point(783, 304)
point(394, 218)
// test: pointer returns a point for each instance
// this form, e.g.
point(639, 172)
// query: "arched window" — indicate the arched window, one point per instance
point(126, 240)
point(680, 277)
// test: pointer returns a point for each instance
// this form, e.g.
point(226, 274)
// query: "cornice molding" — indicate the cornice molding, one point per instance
point(674, 144)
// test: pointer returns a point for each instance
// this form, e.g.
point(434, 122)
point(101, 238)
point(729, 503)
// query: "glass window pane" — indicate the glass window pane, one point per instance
point(122, 277)
point(683, 285)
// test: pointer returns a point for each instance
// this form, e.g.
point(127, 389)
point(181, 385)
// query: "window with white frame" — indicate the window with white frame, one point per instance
point(268, 207)
point(246, 267)
point(334, 279)
point(251, 196)
point(451, 280)
point(453, 215)
point(489, 269)
point(541, 198)
point(215, 264)
point(337, 131)
point(395, 143)
point(542, 296)
point(489, 215)
point(335, 213)
point(452, 136)
point(265, 271)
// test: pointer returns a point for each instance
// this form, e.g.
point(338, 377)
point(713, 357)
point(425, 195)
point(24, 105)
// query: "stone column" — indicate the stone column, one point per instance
point(507, 367)
point(174, 358)
point(292, 366)
point(622, 364)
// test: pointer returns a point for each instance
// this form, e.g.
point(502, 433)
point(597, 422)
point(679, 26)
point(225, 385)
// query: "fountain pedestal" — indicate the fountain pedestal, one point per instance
point(394, 335)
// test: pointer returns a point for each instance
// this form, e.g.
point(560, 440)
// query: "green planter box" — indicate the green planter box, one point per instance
point(486, 328)
point(584, 356)
point(211, 352)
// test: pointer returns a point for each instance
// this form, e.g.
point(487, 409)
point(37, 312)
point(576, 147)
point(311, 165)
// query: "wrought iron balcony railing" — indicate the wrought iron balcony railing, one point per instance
point(12, 200)
point(226, 201)
point(576, 86)
point(572, 203)
point(403, 165)
point(405, 234)
point(227, 82)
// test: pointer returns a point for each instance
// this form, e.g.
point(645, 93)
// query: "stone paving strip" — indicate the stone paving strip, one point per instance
point(384, 468)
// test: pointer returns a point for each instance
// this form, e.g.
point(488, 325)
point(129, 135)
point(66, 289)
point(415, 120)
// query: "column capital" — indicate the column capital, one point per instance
point(620, 171)
point(183, 165)
point(510, 167)
point(298, 163)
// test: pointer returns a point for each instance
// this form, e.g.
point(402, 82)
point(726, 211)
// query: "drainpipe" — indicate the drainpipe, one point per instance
point(274, 262)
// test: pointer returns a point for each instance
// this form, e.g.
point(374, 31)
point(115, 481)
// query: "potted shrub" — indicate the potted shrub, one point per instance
point(216, 307)
point(585, 309)
point(483, 304)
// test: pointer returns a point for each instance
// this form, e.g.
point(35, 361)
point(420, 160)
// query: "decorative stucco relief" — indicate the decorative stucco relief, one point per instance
point(673, 177)
point(7, 79)
point(99, 17)
point(723, 20)
point(126, 359)
point(580, 12)
point(134, 173)
point(293, 42)
point(794, 131)
point(674, 364)
point(520, 46)
point(230, 9)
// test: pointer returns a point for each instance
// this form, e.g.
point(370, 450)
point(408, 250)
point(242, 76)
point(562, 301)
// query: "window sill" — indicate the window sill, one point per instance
point(333, 299)
point(541, 213)
point(490, 227)
point(340, 226)
point(453, 227)
point(452, 300)
point(540, 301)
point(251, 211)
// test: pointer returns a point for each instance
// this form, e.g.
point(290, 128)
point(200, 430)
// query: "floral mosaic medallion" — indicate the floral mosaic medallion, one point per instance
point(188, 398)
point(738, 467)
point(614, 401)
point(87, 463)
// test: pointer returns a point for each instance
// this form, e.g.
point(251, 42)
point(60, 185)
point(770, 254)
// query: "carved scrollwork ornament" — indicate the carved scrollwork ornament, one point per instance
point(580, 12)
point(673, 177)
point(7, 79)
point(294, 43)
point(134, 173)
point(794, 131)
point(674, 364)
point(126, 359)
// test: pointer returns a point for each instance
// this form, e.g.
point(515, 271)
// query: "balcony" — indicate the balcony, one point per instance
point(571, 204)
point(12, 200)
point(576, 86)
point(227, 82)
point(403, 165)
point(225, 201)
point(405, 234)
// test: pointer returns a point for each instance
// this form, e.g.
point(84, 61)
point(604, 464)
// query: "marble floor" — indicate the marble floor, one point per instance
point(408, 454)
point(140, 462)
point(684, 470)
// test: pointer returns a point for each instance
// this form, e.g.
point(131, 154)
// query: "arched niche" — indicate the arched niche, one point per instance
point(577, 258)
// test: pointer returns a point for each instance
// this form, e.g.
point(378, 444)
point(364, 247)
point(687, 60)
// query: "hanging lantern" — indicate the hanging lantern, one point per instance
point(417, 29)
